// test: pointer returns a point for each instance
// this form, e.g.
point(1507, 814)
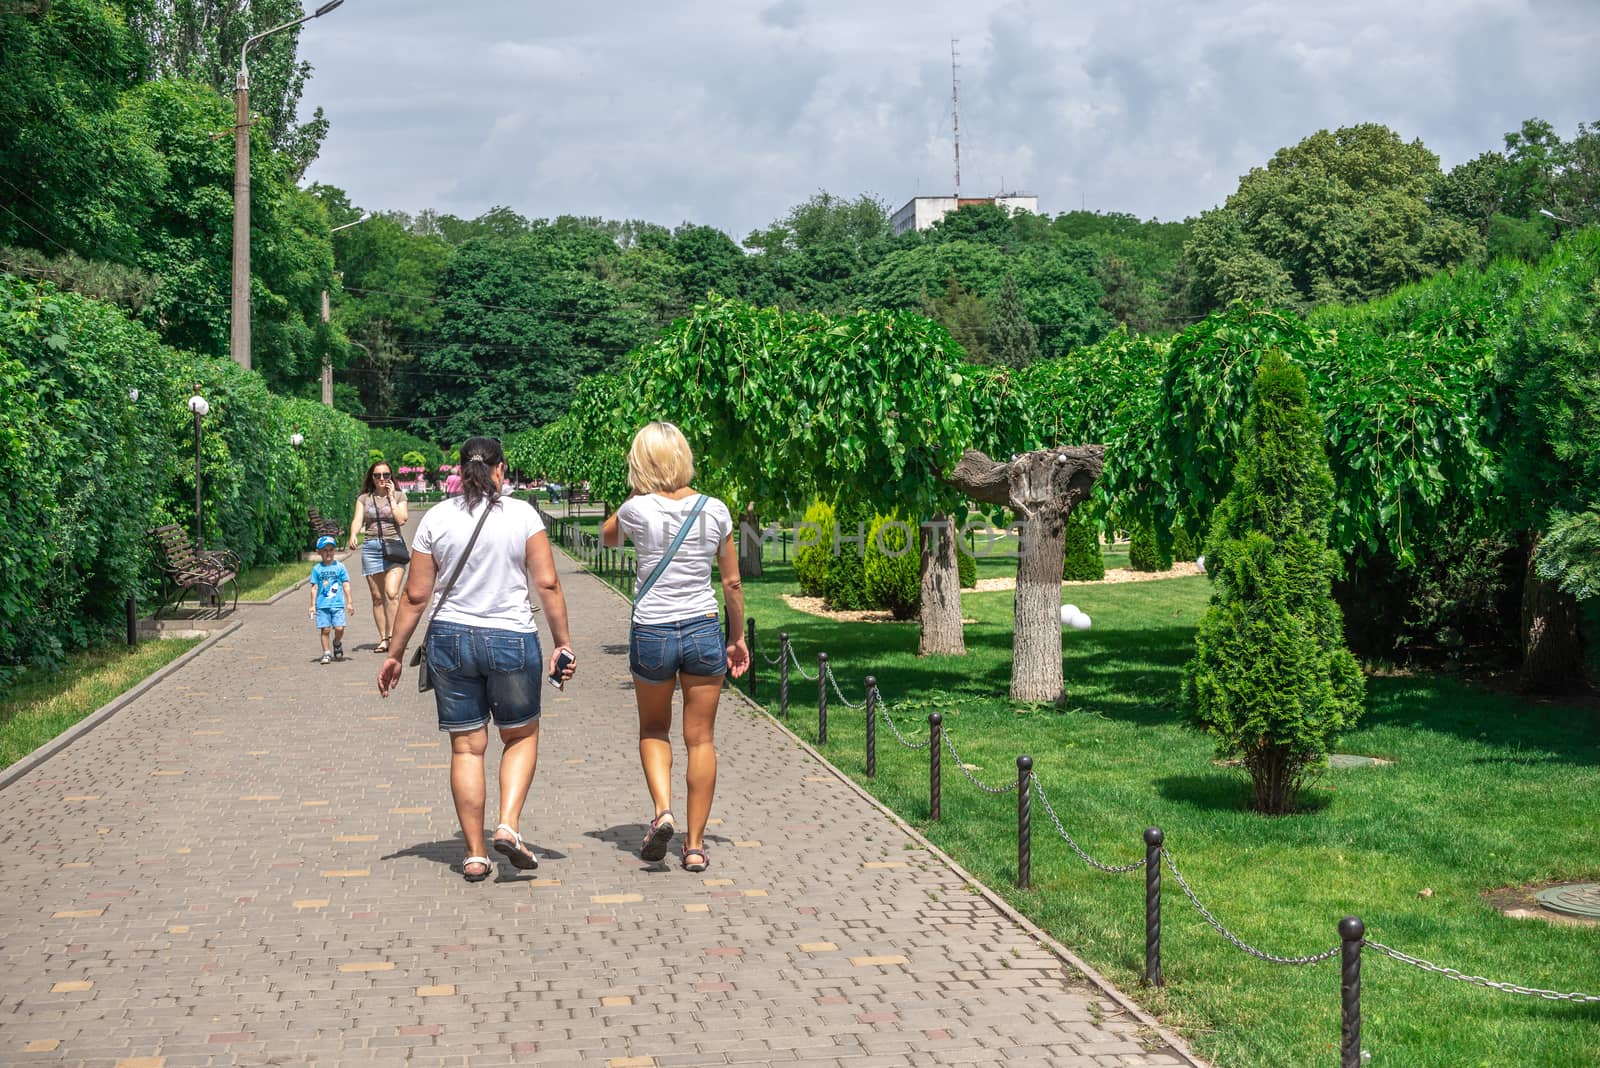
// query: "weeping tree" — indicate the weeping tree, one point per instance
point(779, 407)
point(1271, 677)
point(1042, 488)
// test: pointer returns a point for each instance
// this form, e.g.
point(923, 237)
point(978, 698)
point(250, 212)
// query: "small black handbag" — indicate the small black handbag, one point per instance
point(394, 549)
point(419, 659)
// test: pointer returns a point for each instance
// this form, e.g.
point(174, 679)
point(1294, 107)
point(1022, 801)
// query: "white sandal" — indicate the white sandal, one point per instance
point(488, 867)
point(514, 849)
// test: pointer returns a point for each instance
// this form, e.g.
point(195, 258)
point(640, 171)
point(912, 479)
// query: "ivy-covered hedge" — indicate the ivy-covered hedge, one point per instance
point(97, 445)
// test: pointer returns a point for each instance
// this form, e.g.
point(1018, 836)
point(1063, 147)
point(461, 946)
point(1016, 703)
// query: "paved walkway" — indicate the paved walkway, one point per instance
point(254, 864)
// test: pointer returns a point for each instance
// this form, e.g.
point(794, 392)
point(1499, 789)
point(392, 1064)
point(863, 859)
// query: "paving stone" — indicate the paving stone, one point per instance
point(292, 894)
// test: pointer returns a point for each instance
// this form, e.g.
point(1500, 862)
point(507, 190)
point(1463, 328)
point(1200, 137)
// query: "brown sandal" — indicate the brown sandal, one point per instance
point(704, 854)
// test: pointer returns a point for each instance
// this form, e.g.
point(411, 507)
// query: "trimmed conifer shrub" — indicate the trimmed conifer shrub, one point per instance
point(966, 567)
point(1271, 677)
point(815, 550)
point(1144, 549)
point(1182, 546)
point(893, 566)
point(1083, 560)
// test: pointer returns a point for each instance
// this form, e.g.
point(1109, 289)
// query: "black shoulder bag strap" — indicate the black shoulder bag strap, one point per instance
point(450, 584)
point(666, 557)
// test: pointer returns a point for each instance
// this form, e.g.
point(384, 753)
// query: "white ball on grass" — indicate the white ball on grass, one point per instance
point(1081, 621)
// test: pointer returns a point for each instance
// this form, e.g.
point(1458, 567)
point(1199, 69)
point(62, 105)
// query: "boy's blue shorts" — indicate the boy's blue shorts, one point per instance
point(330, 617)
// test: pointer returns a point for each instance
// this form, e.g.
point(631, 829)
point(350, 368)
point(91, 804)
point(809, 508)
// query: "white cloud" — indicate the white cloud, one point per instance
point(730, 113)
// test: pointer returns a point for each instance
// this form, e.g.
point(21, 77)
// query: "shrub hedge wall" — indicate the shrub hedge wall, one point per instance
point(97, 446)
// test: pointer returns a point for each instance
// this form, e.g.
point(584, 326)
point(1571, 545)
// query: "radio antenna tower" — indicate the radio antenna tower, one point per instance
point(955, 113)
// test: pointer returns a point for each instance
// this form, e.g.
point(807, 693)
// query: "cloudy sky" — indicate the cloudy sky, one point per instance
point(728, 113)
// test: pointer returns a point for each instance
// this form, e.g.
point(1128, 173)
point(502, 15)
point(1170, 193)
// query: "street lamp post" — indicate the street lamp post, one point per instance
point(239, 336)
point(199, 406)
point(327, 361)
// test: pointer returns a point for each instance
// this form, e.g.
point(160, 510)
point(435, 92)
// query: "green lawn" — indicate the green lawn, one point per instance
point(1485, 791)
point(266, 581)
point(42, 707)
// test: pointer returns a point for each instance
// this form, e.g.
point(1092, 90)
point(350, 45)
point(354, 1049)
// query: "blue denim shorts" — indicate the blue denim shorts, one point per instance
point(330, 617)
point(657, 652)
point(372, 561)
point(480, 674)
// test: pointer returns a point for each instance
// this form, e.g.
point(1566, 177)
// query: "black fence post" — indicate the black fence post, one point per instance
point(750, 643)
point(935, 740)
point(1024, 822)
point(1351, 933)
point(783, 674)
point(133, 621)
point(822, 698)
point(872, 727)
point(1152, 906)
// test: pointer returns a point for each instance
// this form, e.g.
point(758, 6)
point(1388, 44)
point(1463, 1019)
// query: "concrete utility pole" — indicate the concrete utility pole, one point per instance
point(239, 333)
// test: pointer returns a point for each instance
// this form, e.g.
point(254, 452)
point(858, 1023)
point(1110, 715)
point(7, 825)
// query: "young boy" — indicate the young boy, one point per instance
point(330, 592)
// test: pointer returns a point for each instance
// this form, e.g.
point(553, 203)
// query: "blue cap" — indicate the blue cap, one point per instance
point(325, 542)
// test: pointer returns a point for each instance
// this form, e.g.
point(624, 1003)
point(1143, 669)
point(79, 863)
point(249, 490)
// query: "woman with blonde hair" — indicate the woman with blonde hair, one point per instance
point(676, 637)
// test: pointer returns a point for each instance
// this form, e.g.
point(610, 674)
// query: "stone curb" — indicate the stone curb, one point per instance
point(107, 710)
point(1071, 959)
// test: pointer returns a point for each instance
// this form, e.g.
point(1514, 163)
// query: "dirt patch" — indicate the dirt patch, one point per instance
point(1115, 575)
point(1520, 903)
point(814, 606)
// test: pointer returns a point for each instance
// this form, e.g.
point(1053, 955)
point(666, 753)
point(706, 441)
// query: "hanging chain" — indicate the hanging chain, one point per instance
point(848, 703)
point(773, 660)
point(1476, 980)
point(883, 710)
point(1007, 788)
point(795, 658)
point(1317, 958)
point(1114, 869)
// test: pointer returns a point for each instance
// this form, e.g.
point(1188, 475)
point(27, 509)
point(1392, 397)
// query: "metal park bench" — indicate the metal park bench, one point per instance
point(206, 573)
point(322, 526)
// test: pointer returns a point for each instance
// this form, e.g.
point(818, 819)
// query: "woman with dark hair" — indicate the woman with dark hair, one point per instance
point(380, 513)
point(482, 645)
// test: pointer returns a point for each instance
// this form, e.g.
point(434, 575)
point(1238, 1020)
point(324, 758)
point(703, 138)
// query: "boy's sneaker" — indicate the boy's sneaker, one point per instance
point(327, 658)
point(338, 650)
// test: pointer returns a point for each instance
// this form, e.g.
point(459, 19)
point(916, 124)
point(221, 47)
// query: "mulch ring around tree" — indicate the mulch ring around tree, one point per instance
point(814, 606)
point(1522, 902)
point(1113, 575)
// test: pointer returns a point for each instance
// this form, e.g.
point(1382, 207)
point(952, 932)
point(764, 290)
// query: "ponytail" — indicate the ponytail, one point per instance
point(479, 458)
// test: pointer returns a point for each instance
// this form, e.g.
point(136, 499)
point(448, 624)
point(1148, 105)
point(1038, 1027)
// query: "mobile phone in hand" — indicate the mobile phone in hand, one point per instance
point(563, 661)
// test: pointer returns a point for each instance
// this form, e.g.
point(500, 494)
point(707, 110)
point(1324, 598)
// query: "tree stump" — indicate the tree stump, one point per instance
point(1042, 487)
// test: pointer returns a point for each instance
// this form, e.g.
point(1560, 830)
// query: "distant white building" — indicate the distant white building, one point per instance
point(920, 213)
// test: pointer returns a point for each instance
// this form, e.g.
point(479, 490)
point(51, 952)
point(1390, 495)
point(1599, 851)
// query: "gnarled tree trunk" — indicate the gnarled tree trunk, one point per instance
point(1042, 487)
point(750, 543)
point(941, 591)
point(1552, 645)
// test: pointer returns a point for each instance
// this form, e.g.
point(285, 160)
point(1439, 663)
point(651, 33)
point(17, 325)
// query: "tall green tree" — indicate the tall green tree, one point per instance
point(1339, 217)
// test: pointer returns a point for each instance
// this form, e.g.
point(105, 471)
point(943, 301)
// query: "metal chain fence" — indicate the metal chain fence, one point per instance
point(973, 779)
point(848, 703)
point(883, 710)
point(1476, 980)
point(1114, 869)
point(1271, 958)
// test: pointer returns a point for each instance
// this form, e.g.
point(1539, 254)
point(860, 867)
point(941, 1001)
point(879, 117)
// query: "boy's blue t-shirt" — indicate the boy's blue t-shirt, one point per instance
point(329, 580)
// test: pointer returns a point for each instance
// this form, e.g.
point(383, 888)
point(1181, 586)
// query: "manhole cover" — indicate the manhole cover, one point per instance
point(1574, 899)
point(1350, 760)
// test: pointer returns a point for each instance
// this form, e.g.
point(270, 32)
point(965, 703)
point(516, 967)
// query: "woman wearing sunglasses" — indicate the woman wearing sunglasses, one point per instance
point(380, 513)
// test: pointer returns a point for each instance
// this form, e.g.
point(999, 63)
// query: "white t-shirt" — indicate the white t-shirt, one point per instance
point(493, 588)
point(684, 590)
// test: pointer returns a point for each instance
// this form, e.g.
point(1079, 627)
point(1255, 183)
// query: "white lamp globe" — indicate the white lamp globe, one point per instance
point(133, 395)
point(1081, 621)
point(297, 439)
point(198, 405)
point(1068, 611)
point(1200, 562)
